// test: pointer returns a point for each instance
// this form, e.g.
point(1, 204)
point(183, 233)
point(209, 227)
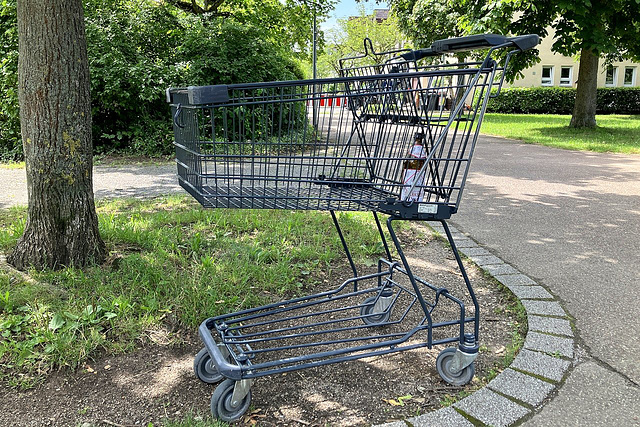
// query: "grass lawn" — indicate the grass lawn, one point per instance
point(171, 263)
point(110, 160)
point(12, 165)
point(615, 133)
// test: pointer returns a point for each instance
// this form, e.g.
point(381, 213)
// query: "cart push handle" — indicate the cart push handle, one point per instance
point(477, 41)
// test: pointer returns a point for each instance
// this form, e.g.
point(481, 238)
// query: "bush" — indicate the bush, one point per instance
point(10, 141)
point(136, 50)
point(554, 100)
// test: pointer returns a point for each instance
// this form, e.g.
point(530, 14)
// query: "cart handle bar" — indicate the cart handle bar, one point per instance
point(477, 41)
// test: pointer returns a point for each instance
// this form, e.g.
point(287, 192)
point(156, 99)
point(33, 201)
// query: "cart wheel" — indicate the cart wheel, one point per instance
point(376, 319)
point(205, 369)
point(221, 407)
point(443, 365)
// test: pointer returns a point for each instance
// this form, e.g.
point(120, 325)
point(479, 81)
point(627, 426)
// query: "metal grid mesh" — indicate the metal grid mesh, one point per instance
point(332, 144)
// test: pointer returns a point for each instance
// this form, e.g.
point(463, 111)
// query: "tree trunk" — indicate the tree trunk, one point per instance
point(584, 110)
point(55, 117)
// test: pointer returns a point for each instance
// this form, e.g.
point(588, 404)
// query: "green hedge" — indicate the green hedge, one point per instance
point(555, 100)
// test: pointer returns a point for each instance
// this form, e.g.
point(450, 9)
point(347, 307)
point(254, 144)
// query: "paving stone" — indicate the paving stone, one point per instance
point(453, 230)
point(523, 387)
point(549, 344)
point(499, 269)
point(465, 243)
point(483, 260)
point(443, 417)
point(476, 251)
point(457, 236)
point(550, 324)
point(514, 280)
point(530, 292)
point(491, 408)
point(393, 424)
point(547, 308)
point(541, 364)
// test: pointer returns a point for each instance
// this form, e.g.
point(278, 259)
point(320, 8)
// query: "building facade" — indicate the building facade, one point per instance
point(562, 71)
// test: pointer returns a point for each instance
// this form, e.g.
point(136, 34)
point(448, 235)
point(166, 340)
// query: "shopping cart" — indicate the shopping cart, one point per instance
point(393, 136)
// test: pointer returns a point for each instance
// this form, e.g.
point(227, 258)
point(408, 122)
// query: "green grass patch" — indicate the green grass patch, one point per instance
point(12, 165)
point(519, 327)
point(170, 261)
point(614, 133)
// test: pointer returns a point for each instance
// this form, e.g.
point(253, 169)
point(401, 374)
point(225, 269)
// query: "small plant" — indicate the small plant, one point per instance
point(450, 399)
point(398, 401)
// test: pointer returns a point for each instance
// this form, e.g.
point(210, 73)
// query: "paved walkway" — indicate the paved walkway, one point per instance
point(570, 220)
point(108, 181)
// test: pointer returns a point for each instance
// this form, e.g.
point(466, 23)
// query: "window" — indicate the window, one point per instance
point(611, 77)
point(566, 76)
point(629, 76)
point(547, 75)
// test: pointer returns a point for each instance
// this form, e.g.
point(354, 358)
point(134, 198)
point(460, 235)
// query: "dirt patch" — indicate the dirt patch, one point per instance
point(156, 383)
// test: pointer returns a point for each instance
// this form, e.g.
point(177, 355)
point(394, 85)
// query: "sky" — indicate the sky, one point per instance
point(346, 8)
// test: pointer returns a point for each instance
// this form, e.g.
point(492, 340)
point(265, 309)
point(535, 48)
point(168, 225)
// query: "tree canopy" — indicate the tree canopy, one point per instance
point(138, 48)
point(347, 39)
point(590, 28)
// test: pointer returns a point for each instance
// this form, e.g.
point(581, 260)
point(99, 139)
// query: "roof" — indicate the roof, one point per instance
point(381, 14)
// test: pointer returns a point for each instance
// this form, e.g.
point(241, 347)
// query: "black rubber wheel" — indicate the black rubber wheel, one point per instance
point(375, 319)
point(205, 369)
point(221, 402)
point(443, 365)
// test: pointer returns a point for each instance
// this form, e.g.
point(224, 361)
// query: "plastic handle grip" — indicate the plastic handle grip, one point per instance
point(477, 41)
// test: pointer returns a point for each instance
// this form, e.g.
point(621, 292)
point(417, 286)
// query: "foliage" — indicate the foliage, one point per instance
point(171, 263)
point(10, 143)
point(553, 100)
point(426, 21)
point(614, 133)
point(610, 28)
point(347, 40)
point(204, 6)
point(37, 331)
point(592, 28)
point(286, 23)
point(232, 53)
point(131, 56)
point(139, 48)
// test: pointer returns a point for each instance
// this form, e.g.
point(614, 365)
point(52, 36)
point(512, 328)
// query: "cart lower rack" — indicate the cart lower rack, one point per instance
point(395, 139)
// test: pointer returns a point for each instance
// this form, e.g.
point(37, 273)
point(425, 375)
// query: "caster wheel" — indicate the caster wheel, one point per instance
point(443, 365)
point(205, 369)
point(221, 407)
point(376, 319)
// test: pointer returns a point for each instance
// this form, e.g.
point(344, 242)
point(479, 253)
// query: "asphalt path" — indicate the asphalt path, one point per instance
point(571, 221)
point(108, 182)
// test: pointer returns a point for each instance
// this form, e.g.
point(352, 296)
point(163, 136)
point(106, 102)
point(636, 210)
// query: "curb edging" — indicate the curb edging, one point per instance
point(542, 363)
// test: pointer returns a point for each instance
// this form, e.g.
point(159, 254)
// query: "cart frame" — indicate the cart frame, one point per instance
point(239, 146)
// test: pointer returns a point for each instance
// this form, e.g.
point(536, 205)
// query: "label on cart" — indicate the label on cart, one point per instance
point(427, 208)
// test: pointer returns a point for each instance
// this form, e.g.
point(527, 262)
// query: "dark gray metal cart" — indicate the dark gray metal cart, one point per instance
point(394, 138)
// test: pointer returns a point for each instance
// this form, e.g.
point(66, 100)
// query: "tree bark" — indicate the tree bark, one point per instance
point(55, 117)
point(584, 110)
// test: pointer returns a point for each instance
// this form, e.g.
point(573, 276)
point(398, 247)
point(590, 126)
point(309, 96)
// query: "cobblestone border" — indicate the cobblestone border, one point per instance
point(540, 366)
